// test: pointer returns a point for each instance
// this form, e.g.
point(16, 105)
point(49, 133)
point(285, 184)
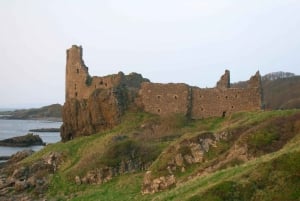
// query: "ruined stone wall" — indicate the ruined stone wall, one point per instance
point(165, 99)
point(95, 82)
point(224, 81)
point(79, 84)
point(197, 103)
point(216, 102)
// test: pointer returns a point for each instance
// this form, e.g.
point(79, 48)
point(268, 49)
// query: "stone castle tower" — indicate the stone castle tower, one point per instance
point(76, 73)
point(79, 84)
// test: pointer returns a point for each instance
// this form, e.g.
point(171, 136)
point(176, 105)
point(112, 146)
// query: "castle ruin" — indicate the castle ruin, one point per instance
point(96, 103)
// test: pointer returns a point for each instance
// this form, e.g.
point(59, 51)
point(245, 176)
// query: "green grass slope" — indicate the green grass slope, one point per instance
point(271, 170)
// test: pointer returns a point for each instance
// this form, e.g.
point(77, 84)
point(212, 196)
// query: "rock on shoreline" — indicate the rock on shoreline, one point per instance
point(50, 130)
point(22, 141)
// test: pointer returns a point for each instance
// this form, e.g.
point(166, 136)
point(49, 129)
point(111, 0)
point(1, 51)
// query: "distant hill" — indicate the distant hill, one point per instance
point(281, 90)
point(47, 112)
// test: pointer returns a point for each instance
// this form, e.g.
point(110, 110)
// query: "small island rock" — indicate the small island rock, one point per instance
point(22, 141)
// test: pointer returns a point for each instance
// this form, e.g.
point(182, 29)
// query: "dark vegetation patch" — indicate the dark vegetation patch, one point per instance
point(89, 80)
point(272, 135)
point(128, 149)
point(226, 191)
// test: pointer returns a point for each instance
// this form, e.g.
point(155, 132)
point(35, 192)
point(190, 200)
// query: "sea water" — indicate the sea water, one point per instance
point(13, 128)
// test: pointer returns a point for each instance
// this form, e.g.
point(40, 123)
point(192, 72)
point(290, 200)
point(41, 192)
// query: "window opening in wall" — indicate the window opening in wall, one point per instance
point(101, 82)
point(158, 110)
point(158, 96)
point(175, 97)
point(76, 94)
point(224, 114)
point(226, 97)
point(236, 95)
point(105, 84)
point(77, 71)
point(201, 96)
point(202, 109)
point(232, 107)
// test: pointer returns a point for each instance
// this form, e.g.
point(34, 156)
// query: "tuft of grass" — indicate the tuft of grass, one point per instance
point(261, 139)
point(214, 152)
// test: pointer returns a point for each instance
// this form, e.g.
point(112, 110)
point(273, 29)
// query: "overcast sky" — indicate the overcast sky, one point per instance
point(190, 41)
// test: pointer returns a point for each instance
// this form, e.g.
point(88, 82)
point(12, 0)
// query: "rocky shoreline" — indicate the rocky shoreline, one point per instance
point(17, 178)
point(4, 158)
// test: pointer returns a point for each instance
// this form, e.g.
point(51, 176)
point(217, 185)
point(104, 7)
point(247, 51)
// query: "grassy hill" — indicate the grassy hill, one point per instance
point(282, 93)
point(256, 156)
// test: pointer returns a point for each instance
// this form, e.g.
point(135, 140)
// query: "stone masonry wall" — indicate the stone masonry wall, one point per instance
point(217, 102)
point(197, 103)
point(79, 84)
point(76, 73)
point(165, 99)
point(224, 81)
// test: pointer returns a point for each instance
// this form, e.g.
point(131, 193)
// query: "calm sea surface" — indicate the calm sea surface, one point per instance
point(13, 128)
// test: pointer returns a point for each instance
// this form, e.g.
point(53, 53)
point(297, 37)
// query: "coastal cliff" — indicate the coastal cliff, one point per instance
point(102, 110)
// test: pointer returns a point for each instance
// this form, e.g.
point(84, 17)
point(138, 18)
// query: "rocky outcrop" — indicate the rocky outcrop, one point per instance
point(151, 186)
point(47, 130)
point(98, 176)
point(105, 174)
point(15, 158)
point(178, 157)
point(22, 141)
point(16, 178)
point(102, 110)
